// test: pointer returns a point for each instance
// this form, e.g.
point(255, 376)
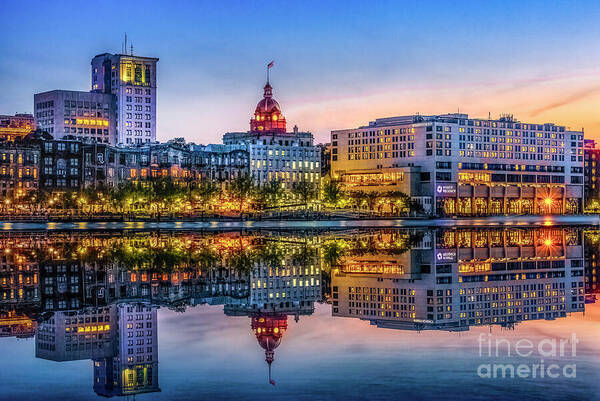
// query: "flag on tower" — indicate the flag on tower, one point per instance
point(271, 64)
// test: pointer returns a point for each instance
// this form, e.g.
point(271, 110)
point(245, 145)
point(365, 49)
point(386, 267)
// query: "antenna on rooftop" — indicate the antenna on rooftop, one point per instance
point(125, 48)
point(132, 49)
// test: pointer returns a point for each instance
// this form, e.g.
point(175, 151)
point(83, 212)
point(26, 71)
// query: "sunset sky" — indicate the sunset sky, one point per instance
point(337, 64)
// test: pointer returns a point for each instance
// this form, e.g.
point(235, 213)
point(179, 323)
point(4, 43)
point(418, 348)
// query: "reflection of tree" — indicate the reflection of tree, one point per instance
point(384, 243)
point(333, 251)
point(164, 258)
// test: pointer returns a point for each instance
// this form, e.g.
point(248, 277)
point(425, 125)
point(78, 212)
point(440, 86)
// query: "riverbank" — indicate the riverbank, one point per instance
point(318, 225)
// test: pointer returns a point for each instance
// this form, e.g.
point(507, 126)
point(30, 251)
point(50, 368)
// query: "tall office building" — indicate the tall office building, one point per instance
point(132, 79)
point(86, 116)
point(467, 166)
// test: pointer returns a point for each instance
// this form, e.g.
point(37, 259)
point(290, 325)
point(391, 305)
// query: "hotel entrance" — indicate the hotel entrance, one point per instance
point(445, 207)
point(549, 205)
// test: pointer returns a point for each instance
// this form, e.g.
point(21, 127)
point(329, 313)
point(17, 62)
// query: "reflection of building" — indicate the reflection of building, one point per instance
point(121, 339)
point(76, 334)
point(133, 369)
point(268, 331)
point(592, 264)
point(471, 166)
point(276, 154)
point(470, 277)
point(13, 324)
point(288, 286)
point(61, 283)
point(19, 290)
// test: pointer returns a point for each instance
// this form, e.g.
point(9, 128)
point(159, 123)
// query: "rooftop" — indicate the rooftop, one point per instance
point(506, 121)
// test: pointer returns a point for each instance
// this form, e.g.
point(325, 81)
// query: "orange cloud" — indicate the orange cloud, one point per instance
point(575, 97)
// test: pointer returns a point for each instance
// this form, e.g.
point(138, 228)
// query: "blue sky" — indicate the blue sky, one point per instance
point(337, 64)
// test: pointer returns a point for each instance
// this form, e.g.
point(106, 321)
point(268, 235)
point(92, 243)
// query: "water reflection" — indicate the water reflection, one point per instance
point(95, 296)
point(469, 277)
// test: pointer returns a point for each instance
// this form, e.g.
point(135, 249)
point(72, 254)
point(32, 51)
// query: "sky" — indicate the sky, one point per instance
point(338, 64)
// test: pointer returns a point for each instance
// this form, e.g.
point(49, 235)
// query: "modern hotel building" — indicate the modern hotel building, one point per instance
point(465, 166)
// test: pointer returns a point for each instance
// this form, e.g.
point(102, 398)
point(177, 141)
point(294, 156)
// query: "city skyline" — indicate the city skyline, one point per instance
point(334, 68)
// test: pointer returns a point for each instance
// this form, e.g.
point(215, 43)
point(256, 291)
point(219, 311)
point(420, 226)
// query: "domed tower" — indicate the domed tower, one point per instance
point(267, 116)
point(268, 331)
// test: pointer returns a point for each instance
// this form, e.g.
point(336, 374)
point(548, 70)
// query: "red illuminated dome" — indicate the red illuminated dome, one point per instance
point(267, 116)
point(268, 331)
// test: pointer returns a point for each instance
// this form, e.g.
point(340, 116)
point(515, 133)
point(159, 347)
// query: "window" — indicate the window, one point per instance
point(443, 176)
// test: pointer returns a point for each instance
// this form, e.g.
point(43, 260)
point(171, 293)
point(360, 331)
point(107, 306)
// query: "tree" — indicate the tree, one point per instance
point(45, 199)
point(304, 190)
point(241, 188)
point(205, 192)
point(332, 192)
point(333, 251)
point(273, 193)
point(400, 202)
point(167, 192)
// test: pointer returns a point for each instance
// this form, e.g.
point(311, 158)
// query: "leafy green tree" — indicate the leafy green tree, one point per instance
point(332, 192)
point(304, 190)
point(365, 198)
point(166, 191)
point(204, 193)
point(241, 188)
point(272, 194)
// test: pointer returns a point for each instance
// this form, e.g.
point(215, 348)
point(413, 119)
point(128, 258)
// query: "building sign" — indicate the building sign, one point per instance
point(446, 255)
point(446, 189)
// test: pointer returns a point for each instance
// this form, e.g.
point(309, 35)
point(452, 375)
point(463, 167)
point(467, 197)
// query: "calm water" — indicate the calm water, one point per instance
point(352, 314)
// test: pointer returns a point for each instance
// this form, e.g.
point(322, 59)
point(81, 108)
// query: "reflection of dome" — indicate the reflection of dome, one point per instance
point(268, 331)
point(267, 116)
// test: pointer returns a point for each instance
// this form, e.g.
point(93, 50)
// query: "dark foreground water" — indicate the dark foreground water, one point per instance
point(446, 313)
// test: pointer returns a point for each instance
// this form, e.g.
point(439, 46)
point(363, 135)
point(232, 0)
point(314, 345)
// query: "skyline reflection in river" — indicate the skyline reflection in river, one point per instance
point(118, 314)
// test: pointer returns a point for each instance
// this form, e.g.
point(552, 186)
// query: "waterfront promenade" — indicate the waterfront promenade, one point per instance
point(525, 221)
